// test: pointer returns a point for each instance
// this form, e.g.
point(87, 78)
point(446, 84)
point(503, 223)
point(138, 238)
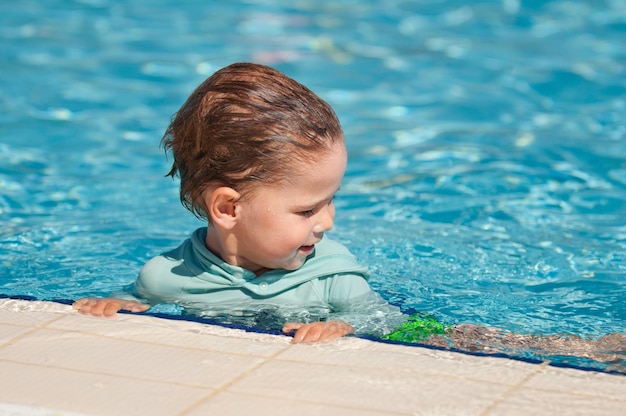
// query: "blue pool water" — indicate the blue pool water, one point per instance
point(487, 142)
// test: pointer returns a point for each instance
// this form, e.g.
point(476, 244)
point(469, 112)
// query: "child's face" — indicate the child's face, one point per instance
point(280, 225)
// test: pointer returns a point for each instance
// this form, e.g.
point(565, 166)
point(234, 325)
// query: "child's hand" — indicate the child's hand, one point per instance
point(107, 306)
point(317, 331)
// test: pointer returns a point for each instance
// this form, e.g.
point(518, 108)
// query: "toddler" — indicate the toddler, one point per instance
point(260, 158)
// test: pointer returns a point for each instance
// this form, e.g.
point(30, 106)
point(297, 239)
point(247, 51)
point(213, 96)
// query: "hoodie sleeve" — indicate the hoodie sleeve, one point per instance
point(155, 283)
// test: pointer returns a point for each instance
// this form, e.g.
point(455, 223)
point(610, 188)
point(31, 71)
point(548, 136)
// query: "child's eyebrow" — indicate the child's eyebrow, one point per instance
point(322, 201)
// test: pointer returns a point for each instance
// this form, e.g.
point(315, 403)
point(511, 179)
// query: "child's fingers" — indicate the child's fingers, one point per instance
point(292, 326)
point(311, 334)
point(80, 303)
point(138, 307)
point(85, 305)
point(107, 306)
point(321, 331)
point(303, 332)
point(110, 309)
point(99, 307)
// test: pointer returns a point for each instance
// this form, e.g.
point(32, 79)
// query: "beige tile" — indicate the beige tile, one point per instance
point(9, 332)
point(368, 354)
point(231, 404)
point(80, 392)
point(134, 364)
point(580, 382)
point(374, 389)
point(524, 402)
point(78, 351)
point(175, 333)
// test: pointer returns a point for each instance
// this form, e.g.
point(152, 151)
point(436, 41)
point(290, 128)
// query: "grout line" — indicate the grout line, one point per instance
point(514, 388)
point(225, 389)
point(31, 329)
point(229, 383)
point(16, 338)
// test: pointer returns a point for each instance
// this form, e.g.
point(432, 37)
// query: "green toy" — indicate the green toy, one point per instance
point(418, 327)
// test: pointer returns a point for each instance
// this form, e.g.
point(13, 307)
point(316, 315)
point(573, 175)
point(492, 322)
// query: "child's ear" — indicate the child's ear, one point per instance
point(221, 206)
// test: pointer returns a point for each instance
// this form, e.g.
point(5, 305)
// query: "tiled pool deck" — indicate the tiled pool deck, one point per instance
point(55, 361)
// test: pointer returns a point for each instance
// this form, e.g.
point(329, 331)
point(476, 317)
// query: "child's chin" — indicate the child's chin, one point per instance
point(295, 265)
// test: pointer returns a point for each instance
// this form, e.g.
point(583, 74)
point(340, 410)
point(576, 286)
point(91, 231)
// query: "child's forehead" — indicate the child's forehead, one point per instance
point(325, 168)
point(297, 193)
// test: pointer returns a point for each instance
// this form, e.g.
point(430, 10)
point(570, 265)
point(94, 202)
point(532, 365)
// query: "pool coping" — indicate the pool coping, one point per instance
point(61, 362)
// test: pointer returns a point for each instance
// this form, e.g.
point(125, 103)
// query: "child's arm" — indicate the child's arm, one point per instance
point(107, 306)
point(317, 331)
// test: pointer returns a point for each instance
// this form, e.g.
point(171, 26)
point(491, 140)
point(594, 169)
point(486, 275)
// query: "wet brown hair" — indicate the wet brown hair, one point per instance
point(246, 124)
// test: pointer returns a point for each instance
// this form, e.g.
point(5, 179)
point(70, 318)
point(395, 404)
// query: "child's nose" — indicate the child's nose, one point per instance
point(326, 219)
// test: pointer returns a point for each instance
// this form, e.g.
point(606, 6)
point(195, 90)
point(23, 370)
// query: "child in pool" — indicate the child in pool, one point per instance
point(260, 157)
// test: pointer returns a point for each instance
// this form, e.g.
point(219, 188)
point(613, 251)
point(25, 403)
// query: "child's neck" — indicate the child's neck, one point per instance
point(220, 247)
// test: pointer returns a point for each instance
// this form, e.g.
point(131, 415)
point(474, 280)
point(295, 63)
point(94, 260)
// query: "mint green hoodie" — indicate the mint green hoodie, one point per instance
point(329, 285)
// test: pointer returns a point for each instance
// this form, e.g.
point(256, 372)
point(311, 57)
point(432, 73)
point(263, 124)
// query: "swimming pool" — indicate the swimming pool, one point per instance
point(487, 174)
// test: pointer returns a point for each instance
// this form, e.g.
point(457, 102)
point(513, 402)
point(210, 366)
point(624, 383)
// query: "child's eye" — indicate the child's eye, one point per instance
point(308, 213)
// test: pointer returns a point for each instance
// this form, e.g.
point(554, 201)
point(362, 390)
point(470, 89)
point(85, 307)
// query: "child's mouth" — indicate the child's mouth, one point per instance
point(307, 249)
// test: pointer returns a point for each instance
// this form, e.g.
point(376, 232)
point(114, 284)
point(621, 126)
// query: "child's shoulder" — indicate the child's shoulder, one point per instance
point(162, 267)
